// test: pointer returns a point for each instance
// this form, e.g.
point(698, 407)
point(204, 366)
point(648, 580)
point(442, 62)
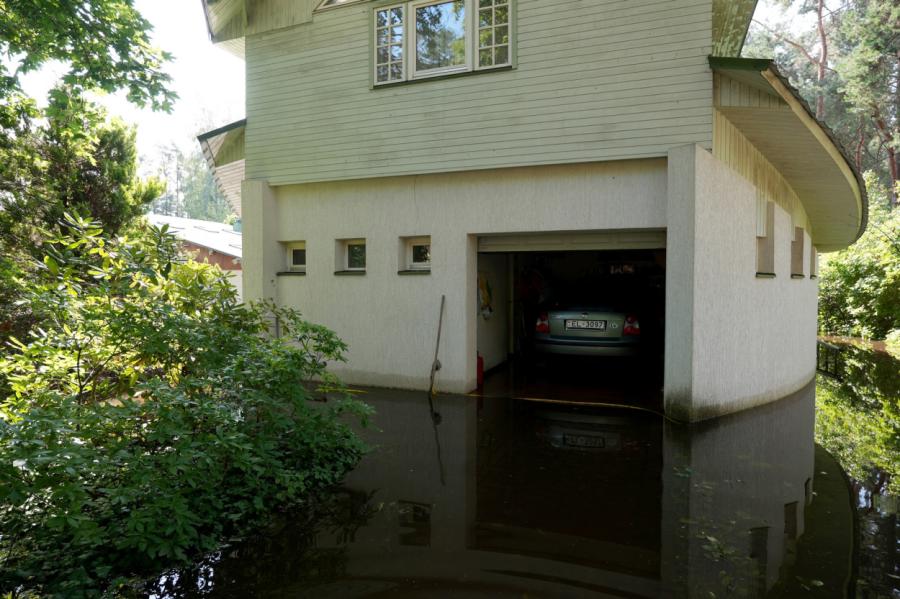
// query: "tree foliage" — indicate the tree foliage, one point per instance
point(151, 417)
point(847, 65)
point(104, 43)
point(191, 190)
point(859, 287)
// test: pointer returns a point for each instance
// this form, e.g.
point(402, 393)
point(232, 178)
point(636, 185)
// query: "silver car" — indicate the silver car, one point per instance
point(587, 331)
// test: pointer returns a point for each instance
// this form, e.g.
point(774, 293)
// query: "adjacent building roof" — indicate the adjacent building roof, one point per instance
point(218, 237)
point(802, 148)
point(224, 152)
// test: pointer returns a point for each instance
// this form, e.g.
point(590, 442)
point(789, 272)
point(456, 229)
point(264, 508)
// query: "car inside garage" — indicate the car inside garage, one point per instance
point(572, 319)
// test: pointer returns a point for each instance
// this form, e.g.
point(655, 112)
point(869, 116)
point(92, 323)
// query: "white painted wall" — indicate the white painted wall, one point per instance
point(390, 321)
point(493, 328)
point(732, 340)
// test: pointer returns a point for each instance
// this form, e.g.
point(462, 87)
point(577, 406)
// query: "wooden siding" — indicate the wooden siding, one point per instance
point(598, 80)
point(734, 149)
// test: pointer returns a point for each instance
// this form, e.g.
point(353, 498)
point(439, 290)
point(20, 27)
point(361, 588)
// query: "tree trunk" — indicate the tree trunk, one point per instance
point(823, 61)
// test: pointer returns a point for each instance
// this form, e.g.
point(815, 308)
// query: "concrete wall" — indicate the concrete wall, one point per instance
point(733, 340)
point(390, 321)
point(493, 326)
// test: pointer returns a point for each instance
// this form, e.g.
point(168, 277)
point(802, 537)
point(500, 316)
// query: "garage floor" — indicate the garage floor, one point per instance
point(578, 380)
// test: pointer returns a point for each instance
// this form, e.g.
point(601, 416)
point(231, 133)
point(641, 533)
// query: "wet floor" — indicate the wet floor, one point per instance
point(511, 498)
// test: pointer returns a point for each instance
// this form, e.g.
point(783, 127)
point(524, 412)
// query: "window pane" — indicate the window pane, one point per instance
point(381, 73)
point(382, 55)
point(298, 257)
point(441, 35)
point(485, 59)
point(501, 55)
point(501, 35)
point(421, 254)
point(356, 255)
point(484, 18)
point(485, 38)
point(381, 18)
point(501, 15)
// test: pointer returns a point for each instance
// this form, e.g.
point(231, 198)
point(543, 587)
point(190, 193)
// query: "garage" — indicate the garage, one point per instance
point(572, 317)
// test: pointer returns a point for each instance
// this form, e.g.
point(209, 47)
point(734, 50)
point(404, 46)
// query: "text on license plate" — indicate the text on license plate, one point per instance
point(593, 325)
point(584, 441)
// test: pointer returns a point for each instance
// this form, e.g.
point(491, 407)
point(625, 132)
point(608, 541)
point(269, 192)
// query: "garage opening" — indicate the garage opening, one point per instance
point(575, 318)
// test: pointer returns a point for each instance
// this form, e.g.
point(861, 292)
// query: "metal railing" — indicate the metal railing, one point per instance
point(830, 360)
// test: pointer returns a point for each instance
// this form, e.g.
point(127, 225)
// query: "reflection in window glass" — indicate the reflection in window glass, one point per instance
point(298, 257)
point(356, 256)
point(493, 32)
point(421, 254)
point(330, 3)
point(389, 45)
point(441, 35)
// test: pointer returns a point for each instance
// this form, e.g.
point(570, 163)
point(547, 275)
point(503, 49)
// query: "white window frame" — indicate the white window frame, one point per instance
point(413, 241)
point(404, 43)
point(295, 245)
point(472, 32)
point(346, 248)
point(409, 31)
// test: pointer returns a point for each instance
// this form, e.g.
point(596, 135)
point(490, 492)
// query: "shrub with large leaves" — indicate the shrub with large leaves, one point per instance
point(151, 416)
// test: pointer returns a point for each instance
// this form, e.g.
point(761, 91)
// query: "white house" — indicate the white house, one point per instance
point(397, 152)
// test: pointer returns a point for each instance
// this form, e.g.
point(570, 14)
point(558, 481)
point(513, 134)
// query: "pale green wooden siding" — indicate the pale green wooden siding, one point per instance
point(596, 80)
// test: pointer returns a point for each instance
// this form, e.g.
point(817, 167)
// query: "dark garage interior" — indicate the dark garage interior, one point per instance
point(581, 327)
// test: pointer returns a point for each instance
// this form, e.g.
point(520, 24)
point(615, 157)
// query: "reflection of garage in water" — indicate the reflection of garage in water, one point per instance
point(573, 318)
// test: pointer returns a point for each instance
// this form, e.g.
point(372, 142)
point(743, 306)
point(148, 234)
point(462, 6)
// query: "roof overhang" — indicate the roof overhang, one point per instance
point(223, 149)
point(731, 21)
point(802, 148)
point(226, 22)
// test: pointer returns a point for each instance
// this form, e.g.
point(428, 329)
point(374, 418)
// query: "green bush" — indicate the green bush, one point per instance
point(859, 287)
point(151, 417)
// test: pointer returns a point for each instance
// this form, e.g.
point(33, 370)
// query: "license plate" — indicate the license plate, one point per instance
point(590, 325)
point(584, 441)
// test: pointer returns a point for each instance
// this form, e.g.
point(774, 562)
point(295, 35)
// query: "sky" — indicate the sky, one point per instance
point(208, 80)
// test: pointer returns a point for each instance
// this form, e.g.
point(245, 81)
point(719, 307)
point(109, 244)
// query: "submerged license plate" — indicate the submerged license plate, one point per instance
point(584, 441)
point(590, 325)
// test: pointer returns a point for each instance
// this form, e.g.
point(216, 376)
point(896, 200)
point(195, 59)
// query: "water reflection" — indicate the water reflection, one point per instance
point(547, 501)
point(858, 421)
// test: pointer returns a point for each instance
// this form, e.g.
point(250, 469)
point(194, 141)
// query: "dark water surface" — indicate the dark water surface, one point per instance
point(510, 498)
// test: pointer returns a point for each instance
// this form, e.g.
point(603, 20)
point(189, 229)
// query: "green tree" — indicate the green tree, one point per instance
point(191, 189)
point(859, 287)
point(104, 43)
point(152, 417)
point(847, 65)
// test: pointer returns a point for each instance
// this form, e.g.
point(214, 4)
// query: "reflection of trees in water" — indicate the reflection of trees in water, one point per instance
point(285, 555)
point(858, 421)
point(858, 418)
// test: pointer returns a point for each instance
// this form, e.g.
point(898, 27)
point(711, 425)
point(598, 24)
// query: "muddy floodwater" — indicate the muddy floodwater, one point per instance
point(511, 498)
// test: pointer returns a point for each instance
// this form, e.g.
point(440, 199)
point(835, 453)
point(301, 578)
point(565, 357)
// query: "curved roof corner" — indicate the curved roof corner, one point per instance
point(802, 148)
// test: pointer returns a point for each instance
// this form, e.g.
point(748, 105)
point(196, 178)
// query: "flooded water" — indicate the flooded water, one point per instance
point(511, 498)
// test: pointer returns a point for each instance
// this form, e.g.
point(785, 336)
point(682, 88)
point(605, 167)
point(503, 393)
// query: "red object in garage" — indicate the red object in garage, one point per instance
point(480, 371)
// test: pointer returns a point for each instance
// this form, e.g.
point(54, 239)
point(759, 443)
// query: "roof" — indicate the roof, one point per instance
point(802, 148)
point(731, 21)
point(223, 149)
point(218, 237)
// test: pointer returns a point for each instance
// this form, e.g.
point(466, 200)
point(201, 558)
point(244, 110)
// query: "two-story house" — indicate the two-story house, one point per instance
point(397, 152)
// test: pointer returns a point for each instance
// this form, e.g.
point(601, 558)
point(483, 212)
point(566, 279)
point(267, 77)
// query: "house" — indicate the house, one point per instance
point(395, 153)
point(207, 241)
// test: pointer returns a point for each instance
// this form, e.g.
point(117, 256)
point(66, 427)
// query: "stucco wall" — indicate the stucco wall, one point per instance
point(733, 340)
point(390, 321)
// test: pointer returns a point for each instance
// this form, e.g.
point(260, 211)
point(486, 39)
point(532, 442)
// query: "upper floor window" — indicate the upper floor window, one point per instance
point(426, 38)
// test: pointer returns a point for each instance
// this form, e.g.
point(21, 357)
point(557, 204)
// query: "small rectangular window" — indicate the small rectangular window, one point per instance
point(356, 254)
point(765, 245)
point(416, 254)
point(296, 256)
point(797, 259)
